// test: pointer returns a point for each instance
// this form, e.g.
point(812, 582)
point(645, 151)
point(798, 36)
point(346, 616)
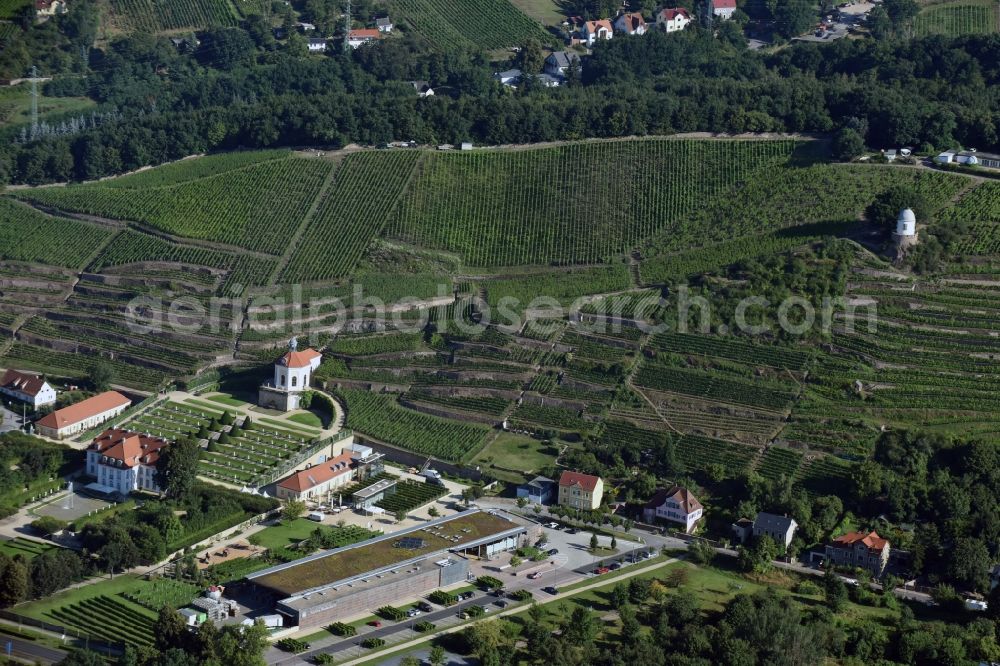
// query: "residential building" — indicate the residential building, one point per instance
point(292, 373)
point(358, 38)
point(547, 80)
point(423, 88)
point(672, 19)
point(305, 27)
point(580, 491)
point(31, 389)
point(742, 529)
point(316, 44)
point(723, 8)
point(509, 78)
point(83, 415)
point(46, 8)
point(969, 158)
point(676, 505)
point(857, 549)
point(124, 461)
point(384, 24)
point(631, 23)
point(540, 490)
point(593, 31)
point(779, 528)
point(559, 62)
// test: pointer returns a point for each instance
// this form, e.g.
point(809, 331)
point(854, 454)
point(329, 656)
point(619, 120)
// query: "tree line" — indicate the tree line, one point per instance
point(242, 88)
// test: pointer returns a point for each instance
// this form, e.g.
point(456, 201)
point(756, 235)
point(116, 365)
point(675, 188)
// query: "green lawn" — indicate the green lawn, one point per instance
point(510, 451)
point(285, 534)
point(543, 11)
point(226, 399)
point(109, 587)
point(307, 418)
point(25, 547)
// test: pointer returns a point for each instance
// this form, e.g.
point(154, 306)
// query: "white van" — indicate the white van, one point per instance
point(315, 515)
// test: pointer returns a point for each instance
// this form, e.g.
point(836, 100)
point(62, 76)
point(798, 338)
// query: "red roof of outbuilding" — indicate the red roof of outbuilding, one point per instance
point(688, 502)
point(669, 13)
point(22, 382)
point(585, 481)
point(317, 474)
point(724, 4)
point(84, 409)
point(365, 33)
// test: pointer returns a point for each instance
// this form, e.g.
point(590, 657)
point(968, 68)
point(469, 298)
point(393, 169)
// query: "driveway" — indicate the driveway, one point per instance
point(9, 420)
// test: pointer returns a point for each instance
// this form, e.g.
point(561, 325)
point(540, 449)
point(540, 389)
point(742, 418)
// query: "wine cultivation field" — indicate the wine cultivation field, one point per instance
point(28, 235)
point(976, 17)
point(252, 207)
point(486, 206)
point(153, 16)
point(451, 24)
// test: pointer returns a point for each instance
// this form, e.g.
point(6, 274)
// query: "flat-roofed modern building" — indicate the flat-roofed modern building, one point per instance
point(355, 580)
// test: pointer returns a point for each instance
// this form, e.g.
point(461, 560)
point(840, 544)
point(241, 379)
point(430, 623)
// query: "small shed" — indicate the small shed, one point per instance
point(467, 145)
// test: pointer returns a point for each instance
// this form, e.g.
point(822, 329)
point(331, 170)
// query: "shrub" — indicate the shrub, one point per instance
point(324, 658)
point(372, 643)
point(489, 583)
point(391, 613)
point(424, 626)
point(808, 587)
point(475, 611)
point(49, 525)
point(442, 598)
point(342, 629)
point(292, 645)
point(521, 595)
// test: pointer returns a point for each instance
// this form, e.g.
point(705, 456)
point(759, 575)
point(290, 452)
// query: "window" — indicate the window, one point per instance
point(295, 380)
point(282, 380)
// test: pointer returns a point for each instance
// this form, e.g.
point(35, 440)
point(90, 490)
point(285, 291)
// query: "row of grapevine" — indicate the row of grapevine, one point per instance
point(452, 24)
point(564, 286)
point(953, 19)
point(380, 416)
point(154, 16)
point(980, 209)
point(577, 203)
point(130, 247)
point(482, 404)
point(184, 171)
point(256, 207)
point(712, 386)
point(351, 215)
point(729, 348)
point(28, 235)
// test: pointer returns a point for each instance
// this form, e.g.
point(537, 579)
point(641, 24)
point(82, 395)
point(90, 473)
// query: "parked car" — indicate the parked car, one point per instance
point(552, 525)
point(413, 612)
point(614, 566)
point(375, 623)
point(553, 551)
point(466, 595)
point(462, 615)
point(500, 603)
point(425, 607)
point(485, 609)
point(535, 576)
point(550, 590)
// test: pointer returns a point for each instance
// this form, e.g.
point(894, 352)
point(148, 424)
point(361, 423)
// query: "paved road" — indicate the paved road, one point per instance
point(30, 651)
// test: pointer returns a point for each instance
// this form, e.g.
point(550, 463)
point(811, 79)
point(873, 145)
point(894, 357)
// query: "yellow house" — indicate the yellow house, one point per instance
point(580, 491)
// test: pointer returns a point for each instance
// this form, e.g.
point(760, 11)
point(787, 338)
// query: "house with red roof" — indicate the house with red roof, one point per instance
point(723, 8)
point(46, 8)
point(857, 549)
point(83, 415)
point(593, 31)
point(364, 36)
point(123, 461)
point(677, 505)
point(316, 481)
point(580, 491)
point(31, 389)
point(631, 23)
point(292, 374)
point(672, 19)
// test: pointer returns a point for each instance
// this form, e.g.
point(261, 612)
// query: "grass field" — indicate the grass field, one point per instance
point(285, 534)
point(15, 103)
point(511, 451)
point(963, 17)
point(545, 12)
point(24, 547)
point(488, 24)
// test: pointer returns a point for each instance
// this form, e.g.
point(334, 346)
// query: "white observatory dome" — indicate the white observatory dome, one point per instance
point(906, 223)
